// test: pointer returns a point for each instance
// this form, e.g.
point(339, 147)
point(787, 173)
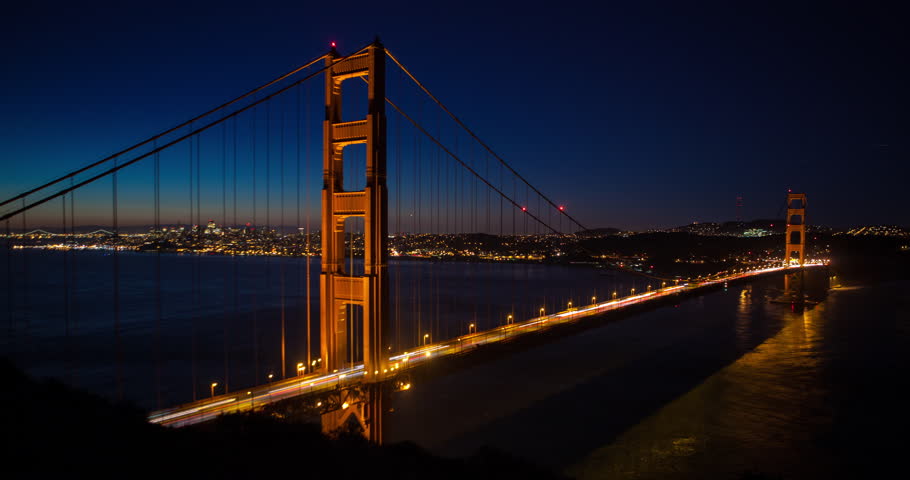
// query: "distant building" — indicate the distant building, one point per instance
point(757, 232)
point(878, 231)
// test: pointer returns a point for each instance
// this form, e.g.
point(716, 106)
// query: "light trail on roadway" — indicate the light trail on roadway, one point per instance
point(250, 399)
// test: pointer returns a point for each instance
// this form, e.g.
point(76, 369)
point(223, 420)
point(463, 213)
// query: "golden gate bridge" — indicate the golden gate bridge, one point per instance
point(418, 174)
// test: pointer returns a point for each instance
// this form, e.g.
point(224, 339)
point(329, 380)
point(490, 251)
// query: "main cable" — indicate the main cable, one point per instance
point(466, 166)
point(168, 131)
point(165, 146)
point(481, 142)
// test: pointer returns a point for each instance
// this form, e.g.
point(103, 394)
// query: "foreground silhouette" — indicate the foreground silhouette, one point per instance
point(51, 427)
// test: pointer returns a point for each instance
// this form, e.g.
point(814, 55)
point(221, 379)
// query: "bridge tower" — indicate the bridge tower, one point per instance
point(341, 290)
point(796, 228)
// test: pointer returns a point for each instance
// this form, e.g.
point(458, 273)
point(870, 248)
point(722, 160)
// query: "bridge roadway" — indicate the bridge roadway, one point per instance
point(245, 400)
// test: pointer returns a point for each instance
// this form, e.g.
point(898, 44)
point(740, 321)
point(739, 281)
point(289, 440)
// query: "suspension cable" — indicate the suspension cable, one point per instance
point(168, 131)
point(165, 146)
point(500, 159)
point(466, 166)
point(484, 145)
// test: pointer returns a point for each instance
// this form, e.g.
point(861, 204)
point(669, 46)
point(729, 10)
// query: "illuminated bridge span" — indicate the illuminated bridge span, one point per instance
point(222, 334)
point(317, 386)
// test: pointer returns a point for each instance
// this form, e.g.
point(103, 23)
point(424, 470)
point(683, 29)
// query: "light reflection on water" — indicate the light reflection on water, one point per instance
point(218, 318)
point(716, 386)
point(772, 411)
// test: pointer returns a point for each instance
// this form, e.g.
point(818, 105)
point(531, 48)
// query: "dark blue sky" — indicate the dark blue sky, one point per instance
point(648, 116)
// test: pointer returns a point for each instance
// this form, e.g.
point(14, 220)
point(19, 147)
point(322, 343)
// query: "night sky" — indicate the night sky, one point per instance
point(652, 116)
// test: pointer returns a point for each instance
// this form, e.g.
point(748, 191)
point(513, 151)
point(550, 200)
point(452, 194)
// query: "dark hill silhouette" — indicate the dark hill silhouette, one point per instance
point(51, 427)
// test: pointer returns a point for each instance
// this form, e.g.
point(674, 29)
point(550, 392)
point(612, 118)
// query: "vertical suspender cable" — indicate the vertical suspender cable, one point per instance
point(199, 184)
point(253, 153)
point(455, 206)
point(298, 224)
point(224, 279)
point(253, 235)
point(10, 328)
point(74, 311)
point(268, 169)
point(309, 343)
point(486, 169)
point(528, 204)
point(417, 210)
point(234, 272)
point(398, 188)
point(267, 229)
point(234, 170)
point(66, 295)
point(9, 283)
point(281, 236)
point(190, 146)
point(197, 261)
point(436, 230)
point(157, 346)
point(223, 175)
point(25, 280)
point(193, 295)
point(116, 287)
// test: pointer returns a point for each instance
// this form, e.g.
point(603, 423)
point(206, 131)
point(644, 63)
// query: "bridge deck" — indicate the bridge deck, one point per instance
point(246, 400)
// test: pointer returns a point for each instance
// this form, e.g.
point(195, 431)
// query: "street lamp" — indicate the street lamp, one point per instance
point(570, 303)
point(425, 337)
point(300, 368)
point(593, 300)
point(541, 311)
point(250, 394)
point(509, 319)
point(633, 291)
point(213, 385)
point(614, 295)
point(472, 327)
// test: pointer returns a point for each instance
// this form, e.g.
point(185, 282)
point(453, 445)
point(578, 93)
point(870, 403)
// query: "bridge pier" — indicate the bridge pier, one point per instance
point(361, 410)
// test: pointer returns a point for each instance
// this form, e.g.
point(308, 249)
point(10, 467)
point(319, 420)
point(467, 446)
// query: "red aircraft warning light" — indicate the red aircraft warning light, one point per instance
point(333, 44)
point(524, 209)
point(562, 208)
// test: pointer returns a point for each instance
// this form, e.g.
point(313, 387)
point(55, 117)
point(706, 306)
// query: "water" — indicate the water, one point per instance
point(715, 387)
point(219, 318)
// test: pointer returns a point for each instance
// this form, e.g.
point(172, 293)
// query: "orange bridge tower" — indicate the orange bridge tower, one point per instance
point(796, 229)
point(341, 291)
